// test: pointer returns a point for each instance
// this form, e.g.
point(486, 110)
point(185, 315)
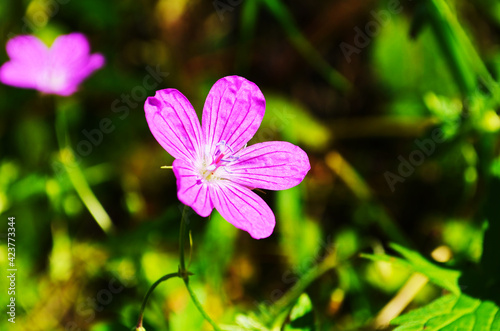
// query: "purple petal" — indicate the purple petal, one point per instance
point(191, 191)
point(28, 56)
point(65, 81)
point(243, 208)
point(71, 63)
point(232, 113)
point(272, 165)
point(70, 50)
point(173, 122)
point(26, 48)
point(19, 75)
point(95, 61)
point(58, 70)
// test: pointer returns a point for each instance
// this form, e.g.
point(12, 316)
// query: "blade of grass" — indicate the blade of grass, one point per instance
point(289, 298)
point(360, 188)
point(76, 176)
point(300, 42)
point(458, 63)
point(247, 30)
point(460, 48)
point(401, 300)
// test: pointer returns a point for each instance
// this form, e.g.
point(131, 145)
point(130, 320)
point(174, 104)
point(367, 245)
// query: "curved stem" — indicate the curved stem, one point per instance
point(76, 175)
point(184, 274)
point(290, 297)
point(146, 297)
point(200, 307)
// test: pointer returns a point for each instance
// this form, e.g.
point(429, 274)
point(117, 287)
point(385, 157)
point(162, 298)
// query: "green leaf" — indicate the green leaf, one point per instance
point(445, 278)
point(302, 315)
point(398, 60)
point(452, 312)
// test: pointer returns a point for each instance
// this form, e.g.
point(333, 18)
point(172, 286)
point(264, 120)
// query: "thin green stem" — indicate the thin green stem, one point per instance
point(184, 274)
point(151, 289)
point(182, 240)
point(200, 307)
point(76, 176)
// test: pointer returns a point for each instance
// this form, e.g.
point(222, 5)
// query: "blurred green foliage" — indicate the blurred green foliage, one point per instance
point(330, 264)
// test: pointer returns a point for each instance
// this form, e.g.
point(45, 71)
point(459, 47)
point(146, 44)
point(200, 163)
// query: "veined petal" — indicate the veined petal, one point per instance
point(243, 208)
point(28, 56)
point(273, 165)
point(232, 113)
point(173, 122)
point(191, 191)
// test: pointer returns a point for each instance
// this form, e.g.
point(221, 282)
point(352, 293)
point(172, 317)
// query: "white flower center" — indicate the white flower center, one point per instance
point(53, 80)
point(213, 167)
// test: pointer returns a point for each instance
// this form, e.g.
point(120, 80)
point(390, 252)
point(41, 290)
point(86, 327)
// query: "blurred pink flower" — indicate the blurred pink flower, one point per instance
point(213, 166)
point(55, 70)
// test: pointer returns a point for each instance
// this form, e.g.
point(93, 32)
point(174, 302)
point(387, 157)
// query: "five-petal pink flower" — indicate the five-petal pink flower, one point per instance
point(55, 70)
point(213, 166)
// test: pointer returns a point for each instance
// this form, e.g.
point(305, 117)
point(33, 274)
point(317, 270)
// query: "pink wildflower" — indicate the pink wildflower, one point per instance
point(213, 166)
point(55, 70)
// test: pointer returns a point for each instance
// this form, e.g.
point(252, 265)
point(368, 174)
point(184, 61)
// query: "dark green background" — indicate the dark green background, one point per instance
point(418, 71)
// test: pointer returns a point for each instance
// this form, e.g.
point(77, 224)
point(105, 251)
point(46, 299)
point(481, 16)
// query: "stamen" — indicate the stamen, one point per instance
point(230, 158)
point(226, 169)
point(218, 158)
point(222, 158)
point(223, 143)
